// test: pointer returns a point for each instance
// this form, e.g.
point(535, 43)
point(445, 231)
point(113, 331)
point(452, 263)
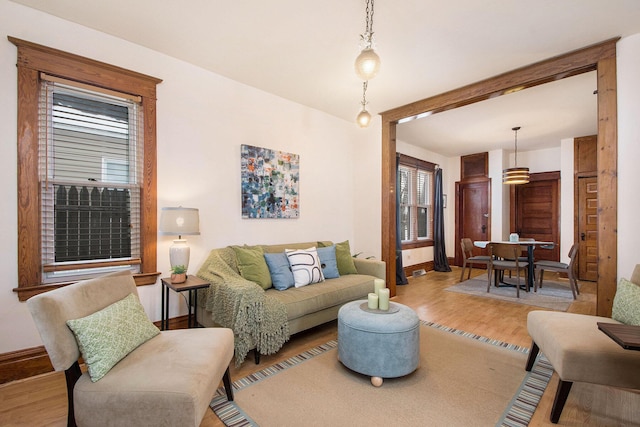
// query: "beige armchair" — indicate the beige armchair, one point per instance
point(169, 380)
point(579, 351)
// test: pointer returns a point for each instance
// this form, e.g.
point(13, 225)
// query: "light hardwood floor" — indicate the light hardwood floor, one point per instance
point(41, 401)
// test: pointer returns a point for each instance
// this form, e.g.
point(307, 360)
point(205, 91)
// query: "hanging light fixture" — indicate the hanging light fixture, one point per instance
point(364, 117)
point(515, 175)
point(368, 62)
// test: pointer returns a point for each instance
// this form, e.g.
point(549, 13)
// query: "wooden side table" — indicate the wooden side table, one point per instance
point(192, 284)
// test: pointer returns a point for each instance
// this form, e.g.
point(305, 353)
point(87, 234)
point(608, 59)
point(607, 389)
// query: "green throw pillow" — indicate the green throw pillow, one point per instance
point(626, 303)
point(107, 336)
point(344, 259)
point(252, 265)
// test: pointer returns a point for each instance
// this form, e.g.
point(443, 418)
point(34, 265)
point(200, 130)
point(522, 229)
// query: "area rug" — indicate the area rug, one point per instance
point(553, 295)
point(462, 380)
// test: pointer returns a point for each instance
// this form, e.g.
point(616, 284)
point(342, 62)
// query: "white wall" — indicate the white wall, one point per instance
point(628, 64)
point(499, 196)
point(203, 119)
point(566, 197)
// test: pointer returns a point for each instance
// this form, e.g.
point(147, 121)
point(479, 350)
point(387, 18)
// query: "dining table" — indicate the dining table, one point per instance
point(530, 244)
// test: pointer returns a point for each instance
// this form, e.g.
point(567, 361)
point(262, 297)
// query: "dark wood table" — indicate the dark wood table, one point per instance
point(627, 336)
point(191, 285)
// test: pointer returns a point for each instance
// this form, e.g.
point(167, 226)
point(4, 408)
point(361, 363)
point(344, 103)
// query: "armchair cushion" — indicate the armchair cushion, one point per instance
point(108, 335)
point(626, 303)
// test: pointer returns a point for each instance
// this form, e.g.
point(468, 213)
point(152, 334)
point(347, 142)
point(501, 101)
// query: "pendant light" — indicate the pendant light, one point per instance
point(367, 63)
point(364, 117)
point(515, 175)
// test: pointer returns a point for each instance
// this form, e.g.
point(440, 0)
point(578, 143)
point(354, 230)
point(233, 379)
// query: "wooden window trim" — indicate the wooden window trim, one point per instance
point(428, 166)
point(32, 60)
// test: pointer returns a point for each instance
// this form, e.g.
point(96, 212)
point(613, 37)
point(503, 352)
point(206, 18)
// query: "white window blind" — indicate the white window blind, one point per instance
point(416, 203)
point(90, 172)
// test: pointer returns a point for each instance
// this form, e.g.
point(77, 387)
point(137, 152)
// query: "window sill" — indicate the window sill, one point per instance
point(414, 245)
point(26, 292)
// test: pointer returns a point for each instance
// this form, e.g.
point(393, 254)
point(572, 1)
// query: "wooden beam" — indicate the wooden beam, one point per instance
point(600, 57)
point(389, 199)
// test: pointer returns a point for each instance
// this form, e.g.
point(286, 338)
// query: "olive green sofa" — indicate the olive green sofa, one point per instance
point(264, 319)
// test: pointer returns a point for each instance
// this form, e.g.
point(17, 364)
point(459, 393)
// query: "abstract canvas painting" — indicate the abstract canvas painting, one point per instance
point(269, 181)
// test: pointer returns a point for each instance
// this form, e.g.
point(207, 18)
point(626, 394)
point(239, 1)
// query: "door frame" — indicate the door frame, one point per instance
point(600, 57)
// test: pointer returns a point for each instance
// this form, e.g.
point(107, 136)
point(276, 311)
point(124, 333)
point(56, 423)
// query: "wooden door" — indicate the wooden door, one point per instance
point(588, 228)
point(535, 212)
point(472, 214)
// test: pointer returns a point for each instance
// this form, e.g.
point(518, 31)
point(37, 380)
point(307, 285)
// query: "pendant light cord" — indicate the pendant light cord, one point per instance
point(368, 25)
point(516, 129)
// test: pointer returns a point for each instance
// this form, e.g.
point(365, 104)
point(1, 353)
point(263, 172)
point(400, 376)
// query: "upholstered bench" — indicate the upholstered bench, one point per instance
point(381, 344)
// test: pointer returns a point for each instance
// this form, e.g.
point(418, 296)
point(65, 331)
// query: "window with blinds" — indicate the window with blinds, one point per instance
point(90, 177)
point(416, 200)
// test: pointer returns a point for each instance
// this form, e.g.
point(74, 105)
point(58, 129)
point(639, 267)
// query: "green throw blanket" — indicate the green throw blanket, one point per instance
point(257, 320)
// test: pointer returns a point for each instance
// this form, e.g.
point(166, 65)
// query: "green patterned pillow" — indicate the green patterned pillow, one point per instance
point(626, 303)
point(107, 336)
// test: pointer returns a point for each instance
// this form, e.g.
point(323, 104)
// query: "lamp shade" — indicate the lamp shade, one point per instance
point(367, 64)
point(179, 221)
point(515, 176)
point(363, 119)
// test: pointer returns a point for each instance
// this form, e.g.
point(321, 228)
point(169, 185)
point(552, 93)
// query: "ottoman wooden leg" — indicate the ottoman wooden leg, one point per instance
point(376, 381)
point(564, 387)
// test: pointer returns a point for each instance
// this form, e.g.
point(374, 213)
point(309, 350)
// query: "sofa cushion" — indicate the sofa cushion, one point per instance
point(281, 274)
point(252, 265)
point(626, 303)
point(305, 266)
point(344, 258)
point(333, 292)
point(107, 336)
point(328, 262)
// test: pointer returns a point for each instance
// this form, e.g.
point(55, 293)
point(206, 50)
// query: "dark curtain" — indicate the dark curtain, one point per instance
point(401, 278)
point(440, 261)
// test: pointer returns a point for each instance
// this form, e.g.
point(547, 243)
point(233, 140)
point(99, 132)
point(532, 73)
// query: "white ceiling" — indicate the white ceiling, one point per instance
point(304, 51)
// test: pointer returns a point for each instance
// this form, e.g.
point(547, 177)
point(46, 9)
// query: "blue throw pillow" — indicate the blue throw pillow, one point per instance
point(281, 274)
point(328, 262)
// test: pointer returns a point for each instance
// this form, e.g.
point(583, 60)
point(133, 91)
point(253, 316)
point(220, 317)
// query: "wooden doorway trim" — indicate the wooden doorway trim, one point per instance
point(600, 57)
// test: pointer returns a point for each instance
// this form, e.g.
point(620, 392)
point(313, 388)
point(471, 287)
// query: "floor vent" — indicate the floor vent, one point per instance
point(418, 273)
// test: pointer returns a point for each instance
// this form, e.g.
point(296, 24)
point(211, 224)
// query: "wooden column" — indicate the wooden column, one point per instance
point(607, 185)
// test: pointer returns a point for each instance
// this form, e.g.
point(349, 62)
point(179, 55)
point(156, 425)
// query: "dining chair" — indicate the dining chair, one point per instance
point(503, 256)
point(559, 267)
point(468, 258)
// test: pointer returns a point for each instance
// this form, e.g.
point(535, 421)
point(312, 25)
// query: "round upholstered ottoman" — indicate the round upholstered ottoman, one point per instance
point(381, 344)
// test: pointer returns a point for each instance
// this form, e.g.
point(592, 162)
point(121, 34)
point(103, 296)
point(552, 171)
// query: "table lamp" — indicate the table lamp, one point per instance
point(181, 222)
